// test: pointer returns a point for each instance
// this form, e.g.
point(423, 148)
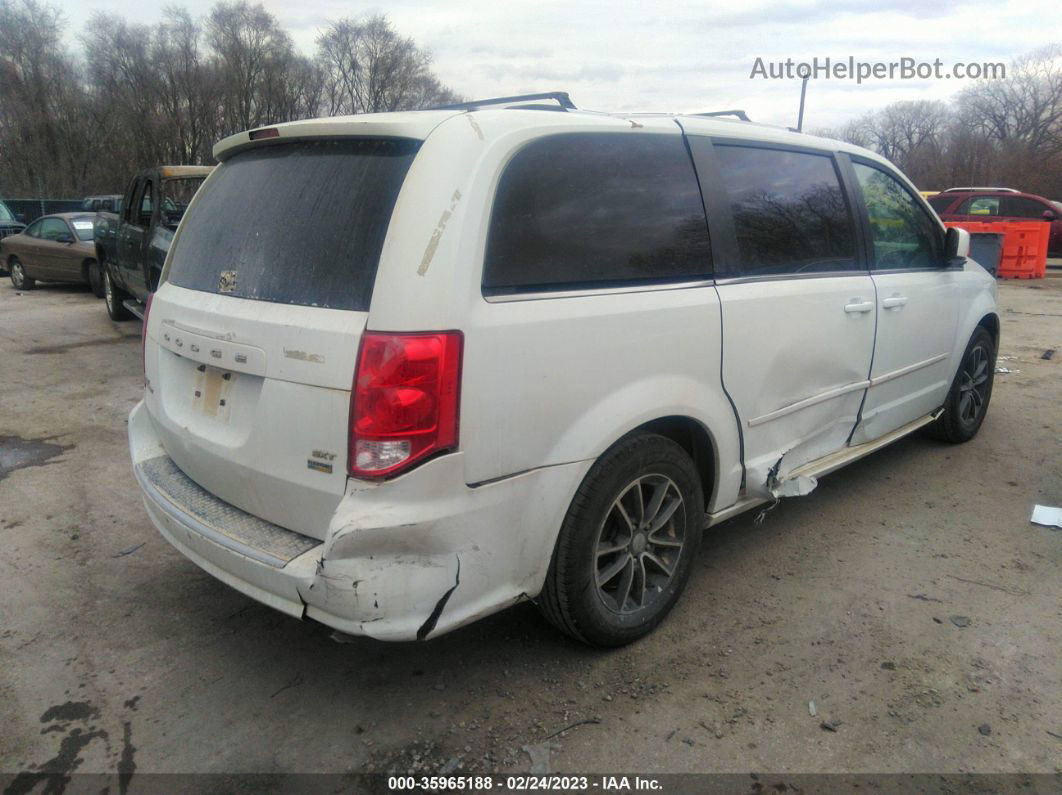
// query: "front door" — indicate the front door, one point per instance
point(49, 255)
point(797, 303)
point(132, 237)
point(918, 305)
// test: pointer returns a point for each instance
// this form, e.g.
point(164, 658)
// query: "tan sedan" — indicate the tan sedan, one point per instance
point(54, 248)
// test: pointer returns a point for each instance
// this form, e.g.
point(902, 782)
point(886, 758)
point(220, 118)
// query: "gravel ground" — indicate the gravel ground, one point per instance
point(908, 597)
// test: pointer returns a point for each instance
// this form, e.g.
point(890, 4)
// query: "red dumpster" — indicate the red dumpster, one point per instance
point(1024, 245)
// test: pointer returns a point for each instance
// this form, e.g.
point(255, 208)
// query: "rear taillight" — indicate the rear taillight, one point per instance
point(405, 400)
point(143, 337)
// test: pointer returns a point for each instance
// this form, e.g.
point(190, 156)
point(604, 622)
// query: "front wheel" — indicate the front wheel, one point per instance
point(626, 546)
point(19, 277)
point(970, 393)
point(94, 278)
point(113, 296)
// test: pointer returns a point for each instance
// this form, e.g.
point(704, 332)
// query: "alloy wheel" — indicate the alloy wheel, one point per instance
point(973, 386)
point(639, 544)
point(18, 276)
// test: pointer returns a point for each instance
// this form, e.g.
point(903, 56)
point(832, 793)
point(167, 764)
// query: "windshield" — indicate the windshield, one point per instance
point(83, 228)
point(5, 214)
point(294, 223)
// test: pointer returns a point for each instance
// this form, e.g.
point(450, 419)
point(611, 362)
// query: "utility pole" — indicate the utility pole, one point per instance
point(803, 93)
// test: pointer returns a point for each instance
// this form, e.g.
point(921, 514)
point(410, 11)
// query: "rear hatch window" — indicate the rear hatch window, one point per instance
point(294, 223)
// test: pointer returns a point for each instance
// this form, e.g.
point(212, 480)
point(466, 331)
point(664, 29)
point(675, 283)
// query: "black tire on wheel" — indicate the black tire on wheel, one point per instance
point(94, 277)
point(970, 393)
point(113, 296)
point(19, 277)
point(625, 549)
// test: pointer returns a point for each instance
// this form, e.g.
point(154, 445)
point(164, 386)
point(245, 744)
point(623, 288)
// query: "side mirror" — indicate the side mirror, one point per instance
point(956, 246)
point(1049, 215)
point(20, 217)
point(64, 239)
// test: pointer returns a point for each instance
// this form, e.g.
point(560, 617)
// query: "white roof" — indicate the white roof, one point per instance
point(419, 124)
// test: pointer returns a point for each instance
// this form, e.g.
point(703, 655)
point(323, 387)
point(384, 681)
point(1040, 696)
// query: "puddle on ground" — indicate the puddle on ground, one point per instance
point(18, 453)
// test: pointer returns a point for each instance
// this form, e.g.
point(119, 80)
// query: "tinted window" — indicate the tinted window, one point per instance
point(128, 201)
point(1020, 207)
point(940, 203)
point(903, 233)
point(34, 229)
point(590, 208)
point(298, 223)
point(145, 204)
point(790, 215)
point(980, 205)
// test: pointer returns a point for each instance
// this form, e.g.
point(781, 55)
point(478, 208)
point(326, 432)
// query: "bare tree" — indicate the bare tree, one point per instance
point(251, 49)
point(369, 68)
point(46, 139)
point(187, 87)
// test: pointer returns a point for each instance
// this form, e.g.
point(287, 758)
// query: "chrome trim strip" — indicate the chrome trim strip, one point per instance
point(881, 379)
point(633, 288)
point(806, 402)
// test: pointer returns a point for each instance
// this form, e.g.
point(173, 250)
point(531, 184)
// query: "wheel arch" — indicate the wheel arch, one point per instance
point(990, 323)
point(694, 438)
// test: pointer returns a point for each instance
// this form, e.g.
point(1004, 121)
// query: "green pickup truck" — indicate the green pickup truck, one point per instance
point(131, 245)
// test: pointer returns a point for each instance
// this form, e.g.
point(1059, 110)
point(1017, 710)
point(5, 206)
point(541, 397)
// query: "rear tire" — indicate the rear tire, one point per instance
point(970, 393)
point(625, 549)
point(19, 277)
point(113, 296)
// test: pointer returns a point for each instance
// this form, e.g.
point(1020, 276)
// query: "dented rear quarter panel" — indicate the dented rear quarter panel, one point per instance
point(544, 382)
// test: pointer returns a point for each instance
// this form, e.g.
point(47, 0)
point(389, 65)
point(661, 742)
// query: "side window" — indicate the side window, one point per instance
point(581, 209)
point(34, 229)
point(790, 215)
point(144, 218)
point(53, 228)
point(980, 205)
point(1020, 207)
point(128, 201)
point(940, 203)
point(904, 235)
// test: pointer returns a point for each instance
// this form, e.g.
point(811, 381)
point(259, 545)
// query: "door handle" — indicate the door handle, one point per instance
point(860, 307)
point(894, 301)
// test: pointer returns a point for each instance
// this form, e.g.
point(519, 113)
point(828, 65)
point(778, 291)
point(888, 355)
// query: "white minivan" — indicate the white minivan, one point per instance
point(404, 370)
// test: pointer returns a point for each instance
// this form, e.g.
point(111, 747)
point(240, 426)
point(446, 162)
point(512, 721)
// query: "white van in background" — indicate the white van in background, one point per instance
point(404, 370)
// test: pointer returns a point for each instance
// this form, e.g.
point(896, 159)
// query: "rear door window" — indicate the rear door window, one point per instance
point(1020, 207)
point(294, 223)
point(790, 214)
point(980, 205)
point(582, 210)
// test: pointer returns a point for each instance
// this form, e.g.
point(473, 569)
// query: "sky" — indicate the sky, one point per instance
point(674, 55)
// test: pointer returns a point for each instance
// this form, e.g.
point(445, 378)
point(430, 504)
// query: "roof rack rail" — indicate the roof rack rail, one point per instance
point(561, 97)
point(738, 113)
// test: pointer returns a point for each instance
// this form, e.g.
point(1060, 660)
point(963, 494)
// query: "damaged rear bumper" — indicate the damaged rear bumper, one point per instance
point(405, 559)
